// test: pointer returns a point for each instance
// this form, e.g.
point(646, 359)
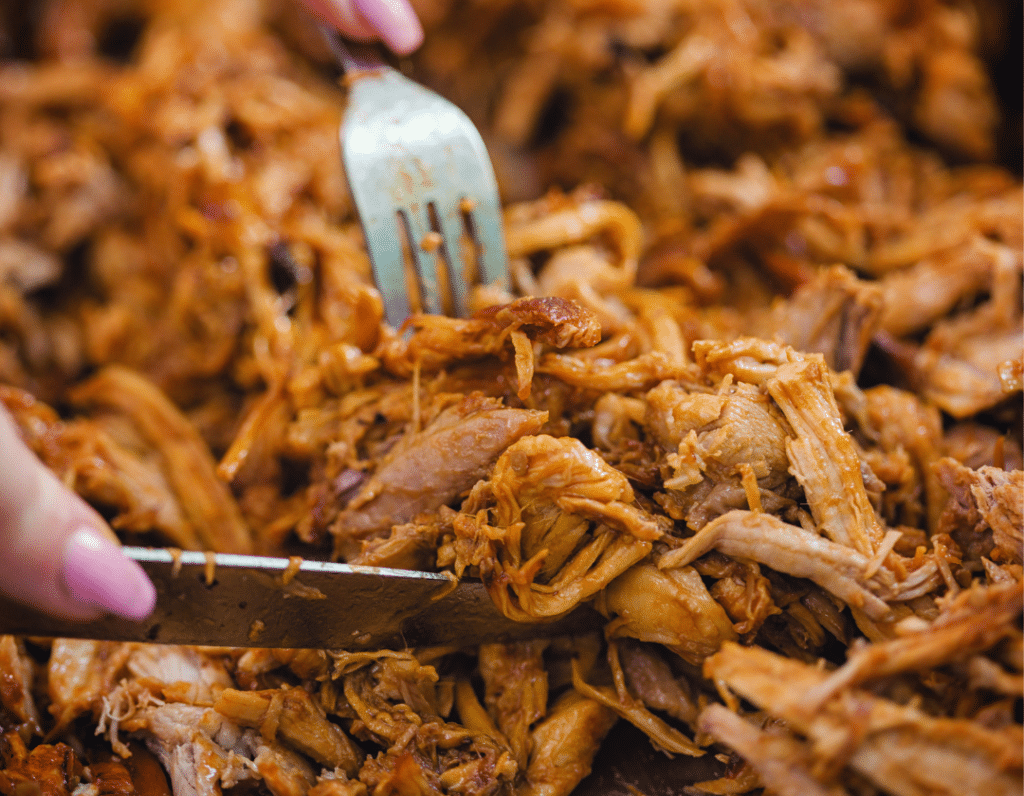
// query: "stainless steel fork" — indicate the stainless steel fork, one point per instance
point(424, 189)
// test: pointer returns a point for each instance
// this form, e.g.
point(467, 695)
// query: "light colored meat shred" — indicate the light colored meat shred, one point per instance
point(751, 389)
point(565, 744)
point(201, 751)
point(291, 713)
point(780, 760)
point(838, 569)
point(80, 673)
point(185, 674)
point(669, 606)
point(17, 676)
point(823, 459)
point(204, 498)
point(973, 621)
point(515, 691)
point(835, 315)
point(899, 748)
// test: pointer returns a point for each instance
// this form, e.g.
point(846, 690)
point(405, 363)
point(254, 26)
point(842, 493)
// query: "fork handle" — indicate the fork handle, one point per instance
point(350, 65)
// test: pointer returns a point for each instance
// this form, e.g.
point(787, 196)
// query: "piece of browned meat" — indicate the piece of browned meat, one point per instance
point(668, 606)
point(432, 467)
point(575, 525)
point(185, 457)
point(781, 761)
point(17, 684)
point(564, 745)
point(48, 769)
point(834, 314)
point(984, 512)
point(899, 748)
point(515, 691)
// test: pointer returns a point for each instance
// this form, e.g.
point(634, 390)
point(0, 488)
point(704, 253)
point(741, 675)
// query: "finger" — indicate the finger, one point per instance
point(395, 21)
point(58, 554)
point(342, 14)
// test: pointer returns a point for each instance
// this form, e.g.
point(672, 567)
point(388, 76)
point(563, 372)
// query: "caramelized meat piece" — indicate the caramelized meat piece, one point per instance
point(112, 779)
point(984, 510)
point(551, 320)
point(430, 468)
point(580, 528)
point(437, 341)
point(49, 769)
point(17, 677)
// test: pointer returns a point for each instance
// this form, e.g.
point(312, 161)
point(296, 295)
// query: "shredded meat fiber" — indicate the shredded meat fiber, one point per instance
point(752, 392)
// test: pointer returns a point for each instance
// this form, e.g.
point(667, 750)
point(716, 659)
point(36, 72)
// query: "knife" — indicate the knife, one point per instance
point(223, 600)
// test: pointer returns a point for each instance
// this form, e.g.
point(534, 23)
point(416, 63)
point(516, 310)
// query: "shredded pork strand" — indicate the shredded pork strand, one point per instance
point(752, 392)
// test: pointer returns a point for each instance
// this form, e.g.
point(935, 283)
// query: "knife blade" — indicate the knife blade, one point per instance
point(224, 600)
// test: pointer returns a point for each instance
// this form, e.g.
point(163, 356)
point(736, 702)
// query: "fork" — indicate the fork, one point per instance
point(424, 190)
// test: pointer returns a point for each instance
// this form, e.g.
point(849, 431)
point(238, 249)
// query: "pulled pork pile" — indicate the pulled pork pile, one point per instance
point(754, 393)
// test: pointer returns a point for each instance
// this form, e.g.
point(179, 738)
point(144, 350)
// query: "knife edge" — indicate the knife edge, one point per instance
point(229, 600)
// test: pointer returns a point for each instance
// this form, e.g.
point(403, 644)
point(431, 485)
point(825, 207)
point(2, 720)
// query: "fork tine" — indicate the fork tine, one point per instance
point(490, 237)
point(388, 262)
point(424, 262)
point(413, 161)
point(450, 220)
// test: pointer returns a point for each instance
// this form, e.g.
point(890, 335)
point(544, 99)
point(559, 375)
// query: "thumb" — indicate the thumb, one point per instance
point(56, 552)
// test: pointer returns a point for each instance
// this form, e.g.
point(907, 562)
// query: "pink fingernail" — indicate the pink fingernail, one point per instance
point(395, 21)
point(98, 574)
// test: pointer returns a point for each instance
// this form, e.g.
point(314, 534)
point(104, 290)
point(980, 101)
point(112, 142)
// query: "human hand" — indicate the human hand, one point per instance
point(57, 553)
point(392, 21)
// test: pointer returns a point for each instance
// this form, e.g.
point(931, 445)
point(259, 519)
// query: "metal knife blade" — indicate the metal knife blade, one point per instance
point(226, 600)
